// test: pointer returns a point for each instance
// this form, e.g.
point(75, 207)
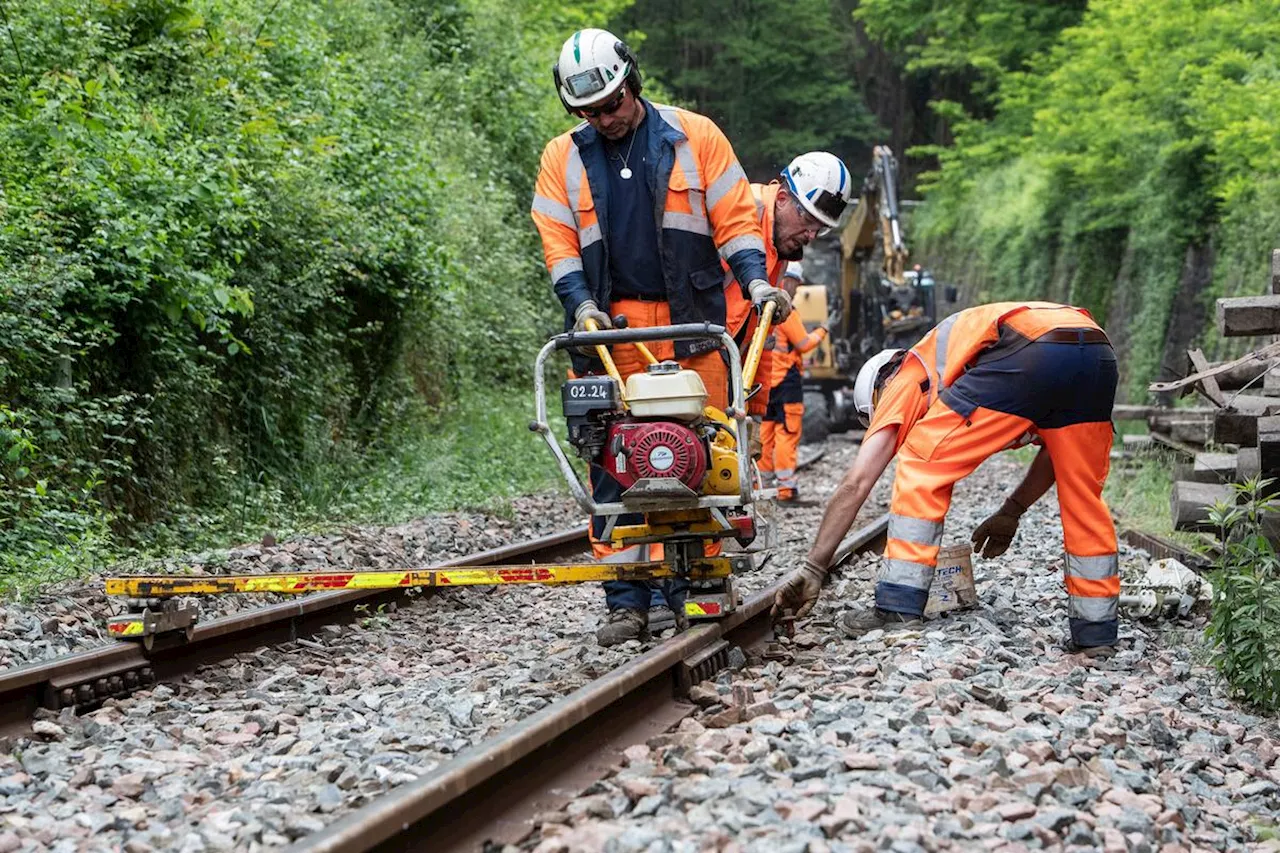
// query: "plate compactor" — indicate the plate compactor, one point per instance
point(682, 466)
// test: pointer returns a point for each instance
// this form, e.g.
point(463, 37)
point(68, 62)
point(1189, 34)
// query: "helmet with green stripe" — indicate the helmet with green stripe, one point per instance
point(593, 65)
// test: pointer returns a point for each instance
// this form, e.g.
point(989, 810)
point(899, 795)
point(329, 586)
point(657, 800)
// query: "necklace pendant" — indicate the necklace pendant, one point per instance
point(625, 173)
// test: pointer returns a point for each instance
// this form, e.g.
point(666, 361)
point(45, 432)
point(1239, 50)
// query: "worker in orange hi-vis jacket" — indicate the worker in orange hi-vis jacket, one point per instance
point(807, 199)
point(986, 379)
point(782, 420)
point(637, 207)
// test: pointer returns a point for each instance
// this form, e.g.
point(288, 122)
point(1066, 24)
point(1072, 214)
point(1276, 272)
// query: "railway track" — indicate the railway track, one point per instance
point(85, 679)
point(490, 793)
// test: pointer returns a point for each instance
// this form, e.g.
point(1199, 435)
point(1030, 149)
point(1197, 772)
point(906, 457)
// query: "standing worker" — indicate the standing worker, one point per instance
point(637, 206)
point(805, 201)
point(782, 420)
point(986, 379)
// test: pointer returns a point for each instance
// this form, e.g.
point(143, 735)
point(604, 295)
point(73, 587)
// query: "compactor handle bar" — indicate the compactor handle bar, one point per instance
point(683, 332)
point(609, 337)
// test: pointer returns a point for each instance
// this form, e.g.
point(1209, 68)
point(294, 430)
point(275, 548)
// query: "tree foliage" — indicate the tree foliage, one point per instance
point(1138, 139)
point(239, 242)
point(774, 76)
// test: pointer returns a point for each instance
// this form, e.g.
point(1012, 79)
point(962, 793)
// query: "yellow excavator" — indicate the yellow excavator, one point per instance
point(857, 280)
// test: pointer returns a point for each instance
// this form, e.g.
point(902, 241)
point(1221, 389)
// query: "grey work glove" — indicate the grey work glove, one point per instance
point(993, 536)
point(762, 291)
point(588, 310)
point(800, 592)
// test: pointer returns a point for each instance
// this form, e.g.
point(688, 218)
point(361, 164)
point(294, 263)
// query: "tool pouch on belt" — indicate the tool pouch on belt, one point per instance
point(794, 415)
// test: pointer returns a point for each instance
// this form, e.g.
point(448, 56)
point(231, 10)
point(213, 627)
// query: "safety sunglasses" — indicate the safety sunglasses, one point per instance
point(810, 222)
point(605, 109)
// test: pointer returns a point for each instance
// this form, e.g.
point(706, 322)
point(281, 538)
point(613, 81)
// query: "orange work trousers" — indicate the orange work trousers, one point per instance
point(781, 439)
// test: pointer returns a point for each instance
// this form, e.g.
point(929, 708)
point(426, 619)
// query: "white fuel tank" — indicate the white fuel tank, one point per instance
point(666, 391)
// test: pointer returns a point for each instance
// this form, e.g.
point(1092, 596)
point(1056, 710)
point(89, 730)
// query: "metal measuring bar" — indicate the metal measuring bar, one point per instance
point(164, 586)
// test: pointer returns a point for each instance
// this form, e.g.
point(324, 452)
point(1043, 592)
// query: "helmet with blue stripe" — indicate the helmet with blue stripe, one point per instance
point(822, 185)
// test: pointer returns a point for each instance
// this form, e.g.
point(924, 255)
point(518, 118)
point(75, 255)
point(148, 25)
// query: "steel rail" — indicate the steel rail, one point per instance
point(118, 668)
point(490, 792)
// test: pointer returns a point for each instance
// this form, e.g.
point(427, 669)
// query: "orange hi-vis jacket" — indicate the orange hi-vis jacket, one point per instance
point(791, 342)
point(707, 215)
point(951, 346)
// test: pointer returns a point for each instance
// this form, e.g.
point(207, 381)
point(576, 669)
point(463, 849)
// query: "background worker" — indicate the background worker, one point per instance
point(782, 420)
point(986, 379)
point(599, 186)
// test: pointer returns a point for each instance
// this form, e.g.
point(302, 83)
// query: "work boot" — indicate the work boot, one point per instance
point(623, 625)
point(791, 498)
point(661, 618)
point(855, 623)
point(681, 619)
point(1092, 652)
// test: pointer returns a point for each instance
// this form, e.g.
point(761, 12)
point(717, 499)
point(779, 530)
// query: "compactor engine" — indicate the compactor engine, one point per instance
point(667, 443)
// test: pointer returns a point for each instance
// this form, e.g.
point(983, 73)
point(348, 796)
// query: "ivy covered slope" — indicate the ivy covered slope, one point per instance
point(245, 245)
point(1119, 154)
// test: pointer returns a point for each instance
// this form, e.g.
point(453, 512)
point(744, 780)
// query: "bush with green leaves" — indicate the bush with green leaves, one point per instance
point(1245, 626)
point(246, 246)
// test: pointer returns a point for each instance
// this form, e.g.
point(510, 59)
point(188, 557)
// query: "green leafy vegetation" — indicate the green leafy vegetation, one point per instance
point(1245, 626)
point(252, 255)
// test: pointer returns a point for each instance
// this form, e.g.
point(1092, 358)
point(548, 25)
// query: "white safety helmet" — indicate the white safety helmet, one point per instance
point(593, 65)
point(864, 387)
point(822, 185)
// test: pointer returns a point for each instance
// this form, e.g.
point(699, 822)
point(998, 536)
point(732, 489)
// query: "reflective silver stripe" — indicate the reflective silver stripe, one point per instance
point(787, 478)
point(1093, 568)
point(737, 244)
point(574, 174)
point(684, 152)
point(588, 236)
point(720, 186)
point(634, 554)
point(689, 165)
point(554, 209)
point(693, 222)
point(1092, 609)
point(562, 268)
point(918, 530)
point(940, 354)
point(906, 573)
point(671, 116)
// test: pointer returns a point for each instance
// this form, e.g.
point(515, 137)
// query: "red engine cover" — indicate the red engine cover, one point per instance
point(655, 449)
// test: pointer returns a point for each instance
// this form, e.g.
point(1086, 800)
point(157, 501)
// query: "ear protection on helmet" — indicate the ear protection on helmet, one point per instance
point(634, 80)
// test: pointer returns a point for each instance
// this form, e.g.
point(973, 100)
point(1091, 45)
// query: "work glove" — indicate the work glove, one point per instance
point(800, 592)
point(588, 310)
point(762, 291)
point(993, 536)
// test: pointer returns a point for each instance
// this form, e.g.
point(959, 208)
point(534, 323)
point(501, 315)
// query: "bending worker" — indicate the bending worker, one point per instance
point(986, 379)
point(783, 419)
point(598, 188)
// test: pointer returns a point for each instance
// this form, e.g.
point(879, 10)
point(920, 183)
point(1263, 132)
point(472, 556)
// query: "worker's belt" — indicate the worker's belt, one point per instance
point(619, 298)
point(1074, 336)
